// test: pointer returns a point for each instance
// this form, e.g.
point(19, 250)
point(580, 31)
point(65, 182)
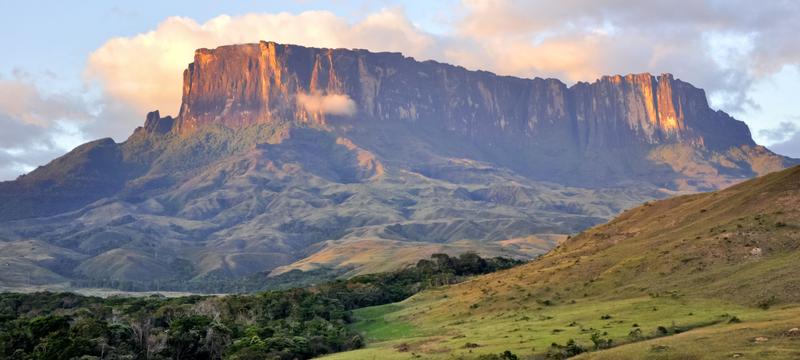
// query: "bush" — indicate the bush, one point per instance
point(765, 304)
point(505, 355)
point(662, 331)
point(570, 349)
point(545, 302)
point(600, 342)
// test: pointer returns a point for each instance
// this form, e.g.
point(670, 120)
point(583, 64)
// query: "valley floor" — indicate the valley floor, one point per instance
point(664, 327)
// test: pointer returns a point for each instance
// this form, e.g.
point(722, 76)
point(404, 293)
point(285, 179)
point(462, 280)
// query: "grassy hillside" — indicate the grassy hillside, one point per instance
point(719, 268)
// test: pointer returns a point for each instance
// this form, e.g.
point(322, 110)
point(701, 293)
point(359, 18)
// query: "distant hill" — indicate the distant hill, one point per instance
point(287, 157)
point(723, 262)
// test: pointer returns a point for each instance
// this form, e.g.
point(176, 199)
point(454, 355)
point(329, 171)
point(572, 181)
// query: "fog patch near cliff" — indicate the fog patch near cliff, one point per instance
point(332, 104)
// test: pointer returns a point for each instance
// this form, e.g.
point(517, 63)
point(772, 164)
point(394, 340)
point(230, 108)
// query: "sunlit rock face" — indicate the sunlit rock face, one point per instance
point(654, 110)
point(589, 132)
point(241, 85)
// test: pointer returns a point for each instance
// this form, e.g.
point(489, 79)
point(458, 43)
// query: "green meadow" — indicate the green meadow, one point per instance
point(646, 327)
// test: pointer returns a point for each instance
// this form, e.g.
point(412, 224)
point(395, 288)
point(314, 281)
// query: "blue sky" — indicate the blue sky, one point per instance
point(62, 83)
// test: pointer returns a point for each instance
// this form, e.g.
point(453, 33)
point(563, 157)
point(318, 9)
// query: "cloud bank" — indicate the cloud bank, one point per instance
point(36, 126)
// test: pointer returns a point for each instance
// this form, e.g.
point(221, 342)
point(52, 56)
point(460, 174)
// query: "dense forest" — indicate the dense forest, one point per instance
point(296, 323)
point(219, 285)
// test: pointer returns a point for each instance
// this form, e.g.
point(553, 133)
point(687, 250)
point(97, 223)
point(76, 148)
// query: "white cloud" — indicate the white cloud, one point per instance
point(332, 104)
point(145, 71)
point(36, 127)
point(790, 147)
point(784, 139)
point(784, 131)
point(20, 99)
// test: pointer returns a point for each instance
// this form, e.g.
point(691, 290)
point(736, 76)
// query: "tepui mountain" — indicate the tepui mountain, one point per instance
point(287, 157)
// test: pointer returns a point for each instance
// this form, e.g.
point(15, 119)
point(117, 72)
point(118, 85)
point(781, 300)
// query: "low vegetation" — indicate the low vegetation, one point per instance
point(283, 324)
point(425, 326)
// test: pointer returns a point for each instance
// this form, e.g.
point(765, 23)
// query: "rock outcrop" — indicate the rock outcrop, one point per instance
point(154, 123)
point(599, 133)
point(244, 84)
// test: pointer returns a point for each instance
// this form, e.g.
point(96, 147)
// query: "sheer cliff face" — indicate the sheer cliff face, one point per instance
point(267, 82)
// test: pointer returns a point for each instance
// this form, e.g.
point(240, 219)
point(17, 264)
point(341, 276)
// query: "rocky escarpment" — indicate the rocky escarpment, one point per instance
point(244, 84)
point(607, 132)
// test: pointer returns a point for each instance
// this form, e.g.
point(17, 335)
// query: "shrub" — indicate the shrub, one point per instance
point(568, 350)
point(600, 342)
point(766, 303)
point(662, 331)
point(505, 355)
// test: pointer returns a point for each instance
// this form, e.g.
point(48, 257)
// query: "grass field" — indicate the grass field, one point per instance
point(377, 323)
point(406, 330)
point(763, 335)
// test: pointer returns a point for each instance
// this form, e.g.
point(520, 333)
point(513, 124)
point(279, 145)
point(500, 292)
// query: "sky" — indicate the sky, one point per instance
point(71, 72)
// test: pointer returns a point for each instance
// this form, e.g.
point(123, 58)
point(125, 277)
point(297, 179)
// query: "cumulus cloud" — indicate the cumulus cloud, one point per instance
point(332, 104)
point(20, 99)
point(785, 138)
point(790, 147)
point(784, 131)
point(36, 126)
point(145, 70)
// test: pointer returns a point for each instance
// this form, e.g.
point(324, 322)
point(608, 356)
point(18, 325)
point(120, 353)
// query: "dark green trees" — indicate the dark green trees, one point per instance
point(298, 323)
